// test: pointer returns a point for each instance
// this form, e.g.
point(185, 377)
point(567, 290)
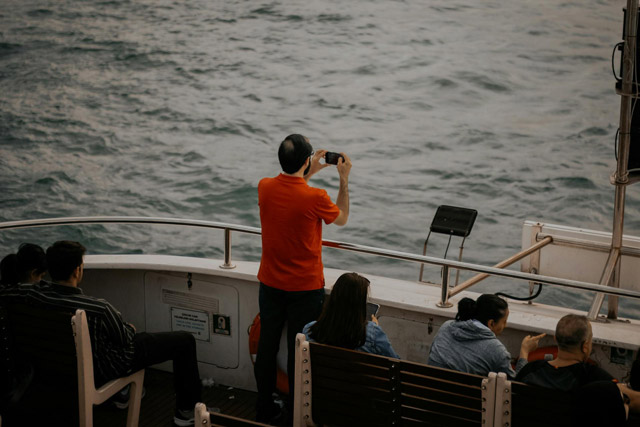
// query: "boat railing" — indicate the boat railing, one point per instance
point(445, 264)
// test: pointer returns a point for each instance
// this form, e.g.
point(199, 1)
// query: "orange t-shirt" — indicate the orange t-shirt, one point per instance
point(291, 214)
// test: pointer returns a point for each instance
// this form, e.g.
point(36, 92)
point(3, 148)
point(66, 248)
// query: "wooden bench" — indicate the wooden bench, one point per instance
point(525, 405)
point(339, 387)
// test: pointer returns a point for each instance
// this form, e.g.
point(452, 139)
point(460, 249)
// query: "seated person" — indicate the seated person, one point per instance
point(470, 344)
point(118, 349)
point(344, 323)
point(28, 265)
point(569, 370)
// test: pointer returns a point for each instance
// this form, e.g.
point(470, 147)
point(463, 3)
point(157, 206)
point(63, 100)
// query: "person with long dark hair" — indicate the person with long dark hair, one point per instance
point(28, 265)
point(470, 344)
point(344, 322)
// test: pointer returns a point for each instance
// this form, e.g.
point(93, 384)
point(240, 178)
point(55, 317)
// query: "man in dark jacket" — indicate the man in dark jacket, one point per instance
point(569, 370)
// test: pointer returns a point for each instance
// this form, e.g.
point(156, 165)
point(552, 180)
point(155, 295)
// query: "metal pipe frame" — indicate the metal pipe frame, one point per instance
point(621, 176)
point(227, 250)
point(444, 297)
point(404, 256)
point(573, 242)
point(507, 262)
point(459, 259)
point(49, 222)
point(424, 252)
point(607, 274)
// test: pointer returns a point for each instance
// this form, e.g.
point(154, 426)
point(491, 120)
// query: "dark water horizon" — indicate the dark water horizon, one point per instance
point(165, 109)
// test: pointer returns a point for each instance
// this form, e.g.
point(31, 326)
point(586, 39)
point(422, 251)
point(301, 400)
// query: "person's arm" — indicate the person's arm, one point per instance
point(502, 363)
point(529, 343)
point(344, 167)
point(381, 341)
point(316, 166)
point(117, 329)
point(632, 396)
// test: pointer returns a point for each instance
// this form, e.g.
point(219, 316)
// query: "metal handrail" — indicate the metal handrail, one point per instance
point(573, 242)
point(507, 262)
point(554, 281)
point(47, 222)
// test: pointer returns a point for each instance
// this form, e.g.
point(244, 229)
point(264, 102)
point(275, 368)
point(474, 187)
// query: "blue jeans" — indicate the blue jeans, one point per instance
point(277, 307)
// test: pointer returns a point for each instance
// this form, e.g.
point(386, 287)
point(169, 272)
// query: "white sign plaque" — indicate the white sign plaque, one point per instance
point(195, 322)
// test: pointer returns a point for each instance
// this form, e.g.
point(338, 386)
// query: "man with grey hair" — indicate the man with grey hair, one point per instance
point(569, 370)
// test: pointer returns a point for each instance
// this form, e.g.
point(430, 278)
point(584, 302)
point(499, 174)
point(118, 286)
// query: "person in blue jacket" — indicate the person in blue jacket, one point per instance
point(470, 344)
point(344, 321)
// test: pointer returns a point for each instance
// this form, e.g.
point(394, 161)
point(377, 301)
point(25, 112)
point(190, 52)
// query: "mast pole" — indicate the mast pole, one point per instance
point(620, 178)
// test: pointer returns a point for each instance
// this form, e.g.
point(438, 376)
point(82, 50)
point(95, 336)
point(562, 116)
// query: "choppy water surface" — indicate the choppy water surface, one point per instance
point(175, 109)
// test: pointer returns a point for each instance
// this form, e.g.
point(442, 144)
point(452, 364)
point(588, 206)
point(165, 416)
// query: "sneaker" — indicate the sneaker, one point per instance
point(186, 418)
point(274, 414)
point(121, 399)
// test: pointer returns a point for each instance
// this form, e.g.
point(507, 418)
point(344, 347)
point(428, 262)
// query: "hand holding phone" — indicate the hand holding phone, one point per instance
point(372, 309)
point(331, 158)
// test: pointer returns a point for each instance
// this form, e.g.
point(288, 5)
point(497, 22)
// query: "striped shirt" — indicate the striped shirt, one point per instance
point(111, 337)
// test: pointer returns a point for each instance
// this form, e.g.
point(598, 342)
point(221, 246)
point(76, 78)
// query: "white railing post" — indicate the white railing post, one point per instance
point(227, 250)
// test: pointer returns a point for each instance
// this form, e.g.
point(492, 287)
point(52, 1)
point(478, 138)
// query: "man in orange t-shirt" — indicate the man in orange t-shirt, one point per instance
point(291, 272)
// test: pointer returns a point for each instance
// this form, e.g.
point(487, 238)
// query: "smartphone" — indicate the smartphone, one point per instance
point(372, 309)
point(331, 158)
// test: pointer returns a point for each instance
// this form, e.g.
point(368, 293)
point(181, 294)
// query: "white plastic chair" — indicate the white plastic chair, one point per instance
point(88, 395)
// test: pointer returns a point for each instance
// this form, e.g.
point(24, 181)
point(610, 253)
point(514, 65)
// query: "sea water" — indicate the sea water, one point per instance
point(176, 109)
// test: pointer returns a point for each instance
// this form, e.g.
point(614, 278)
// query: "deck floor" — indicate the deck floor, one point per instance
point(157, 409)
point(159, 403)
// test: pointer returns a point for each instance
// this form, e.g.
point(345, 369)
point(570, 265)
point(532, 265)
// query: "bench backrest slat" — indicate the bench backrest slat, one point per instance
point(355, 389)
point(446, 375)
point(346, 387)
point(346, 355)
point(451, 397)
point(351, 413)
point(413, 395)
point(424, 417)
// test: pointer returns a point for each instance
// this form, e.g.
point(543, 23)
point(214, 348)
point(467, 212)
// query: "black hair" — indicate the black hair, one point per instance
point(18, 268)
point(293, 152)
point(486, 307)
point(31, 259)
point(572, 331)
point(9, 270)
point(343, 321)
point(63, 257)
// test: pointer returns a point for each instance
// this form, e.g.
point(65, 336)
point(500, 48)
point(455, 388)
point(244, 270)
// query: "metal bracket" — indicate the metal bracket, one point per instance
point(503, 401)
point(488, 395)
point(534, 258)
point(302, 411)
